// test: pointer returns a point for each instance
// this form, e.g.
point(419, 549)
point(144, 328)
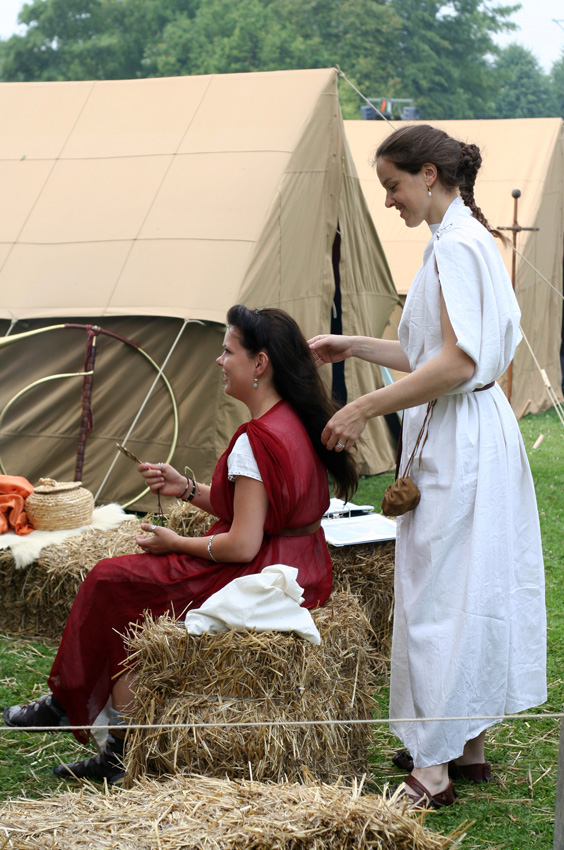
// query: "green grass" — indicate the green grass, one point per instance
point(515, 812)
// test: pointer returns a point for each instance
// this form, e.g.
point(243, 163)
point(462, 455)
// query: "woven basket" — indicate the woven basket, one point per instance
point(56, 505)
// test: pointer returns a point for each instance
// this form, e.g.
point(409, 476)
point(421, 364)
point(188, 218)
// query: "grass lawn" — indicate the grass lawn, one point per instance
point(515, 812)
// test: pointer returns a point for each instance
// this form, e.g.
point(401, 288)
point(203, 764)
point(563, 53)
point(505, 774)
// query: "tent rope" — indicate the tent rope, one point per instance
point(546, 381)
point(540, 274)
point(360, 94)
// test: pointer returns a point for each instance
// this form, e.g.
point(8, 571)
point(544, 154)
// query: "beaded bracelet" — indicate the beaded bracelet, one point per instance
point(209, 549)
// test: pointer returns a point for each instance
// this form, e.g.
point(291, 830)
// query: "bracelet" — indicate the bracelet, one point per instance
point(192, 491)
point(187, 485)
point(194, 484)
point(209, 549)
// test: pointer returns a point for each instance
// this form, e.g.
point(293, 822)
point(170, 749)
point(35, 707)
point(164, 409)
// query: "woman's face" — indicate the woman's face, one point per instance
point(237, 366)
point(408, 193)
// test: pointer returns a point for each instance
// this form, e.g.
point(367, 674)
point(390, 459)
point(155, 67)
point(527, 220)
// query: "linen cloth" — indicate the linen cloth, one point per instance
point(267, 601)
point(469, 626)
point(118, 590)
point(241, 460)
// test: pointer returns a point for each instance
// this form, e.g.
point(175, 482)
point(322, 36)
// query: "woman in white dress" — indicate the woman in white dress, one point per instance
point(469, 626)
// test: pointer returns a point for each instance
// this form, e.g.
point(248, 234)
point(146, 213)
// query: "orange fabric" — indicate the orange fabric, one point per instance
point(14, 490)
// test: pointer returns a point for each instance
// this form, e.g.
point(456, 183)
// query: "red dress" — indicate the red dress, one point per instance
point(117, 591)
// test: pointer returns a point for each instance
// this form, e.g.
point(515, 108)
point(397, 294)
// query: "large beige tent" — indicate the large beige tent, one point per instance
point(145, 206)
point(525, 154)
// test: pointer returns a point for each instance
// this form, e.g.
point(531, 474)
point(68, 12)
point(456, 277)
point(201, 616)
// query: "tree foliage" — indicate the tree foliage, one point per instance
point(441, 54)
point(523, 90)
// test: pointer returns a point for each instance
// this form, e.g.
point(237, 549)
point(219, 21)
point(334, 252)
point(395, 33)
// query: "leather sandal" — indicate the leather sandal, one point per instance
point(423, 798)
point(474, 772)
point(45, 711)
point(477, 773)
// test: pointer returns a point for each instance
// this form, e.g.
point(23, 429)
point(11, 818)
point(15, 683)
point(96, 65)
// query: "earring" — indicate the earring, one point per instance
point(428, 191)
point(255, 382)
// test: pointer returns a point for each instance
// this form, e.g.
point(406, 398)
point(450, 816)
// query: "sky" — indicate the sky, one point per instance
point(537, 30)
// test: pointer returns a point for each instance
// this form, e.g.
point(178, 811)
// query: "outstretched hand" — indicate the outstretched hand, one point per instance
point(162, 542)
point(344, 428)
point(163, 478)
point(329, 348)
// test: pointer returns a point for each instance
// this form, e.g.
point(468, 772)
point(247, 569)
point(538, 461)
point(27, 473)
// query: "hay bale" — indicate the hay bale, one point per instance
point(36, 600)
point(187, 520)
point(213, 814)
point(250, 677)
point(368, 571)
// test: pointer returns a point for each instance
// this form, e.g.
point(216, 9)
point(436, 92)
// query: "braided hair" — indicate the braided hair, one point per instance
point(296, 379)
point(457, 163)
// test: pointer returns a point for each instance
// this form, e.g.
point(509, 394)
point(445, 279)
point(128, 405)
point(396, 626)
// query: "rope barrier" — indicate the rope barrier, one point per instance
point(378, 721)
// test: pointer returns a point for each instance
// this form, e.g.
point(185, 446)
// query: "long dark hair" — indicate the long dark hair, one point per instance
point(457, 163)
point(296, 379)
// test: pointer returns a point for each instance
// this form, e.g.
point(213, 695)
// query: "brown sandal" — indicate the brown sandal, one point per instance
point(477, 773)
point(474, 772)
point(423, 798)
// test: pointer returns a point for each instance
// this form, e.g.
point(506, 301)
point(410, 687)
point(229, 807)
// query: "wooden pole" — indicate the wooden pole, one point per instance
point(515, 229)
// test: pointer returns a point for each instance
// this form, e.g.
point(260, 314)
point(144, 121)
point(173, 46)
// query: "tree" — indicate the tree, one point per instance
point(441, 55)
point(523, 90)
point(86, 39)
point(557, 86)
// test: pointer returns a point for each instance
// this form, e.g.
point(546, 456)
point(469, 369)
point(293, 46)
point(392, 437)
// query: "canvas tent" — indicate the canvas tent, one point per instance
point(525, 154)
point(140, 206)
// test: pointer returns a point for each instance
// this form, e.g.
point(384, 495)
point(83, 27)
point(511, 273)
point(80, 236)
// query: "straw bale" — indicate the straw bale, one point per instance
point(368, 571)
point(37, 600)
point(250, 677)
point(213, 814)
point(187, 520)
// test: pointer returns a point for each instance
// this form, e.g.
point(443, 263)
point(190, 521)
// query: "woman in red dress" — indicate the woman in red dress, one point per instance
point(269, 490)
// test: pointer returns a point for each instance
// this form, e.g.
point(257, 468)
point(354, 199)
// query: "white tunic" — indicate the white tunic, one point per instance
point(469, 626)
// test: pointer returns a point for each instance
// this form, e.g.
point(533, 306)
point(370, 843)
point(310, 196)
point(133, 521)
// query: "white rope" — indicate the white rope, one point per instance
point(547, 385)
point(360, 94)
point(255, 724)
point(536, 271)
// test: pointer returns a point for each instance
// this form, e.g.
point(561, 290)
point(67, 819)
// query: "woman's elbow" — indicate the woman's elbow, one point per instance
point(461, 367)
point(243, 551)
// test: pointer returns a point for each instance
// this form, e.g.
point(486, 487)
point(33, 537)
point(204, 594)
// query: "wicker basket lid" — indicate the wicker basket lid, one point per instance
point(49, 485)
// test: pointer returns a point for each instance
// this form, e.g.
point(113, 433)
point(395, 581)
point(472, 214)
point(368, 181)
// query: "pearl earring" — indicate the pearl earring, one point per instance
point(255, 382)
point(429, 192)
